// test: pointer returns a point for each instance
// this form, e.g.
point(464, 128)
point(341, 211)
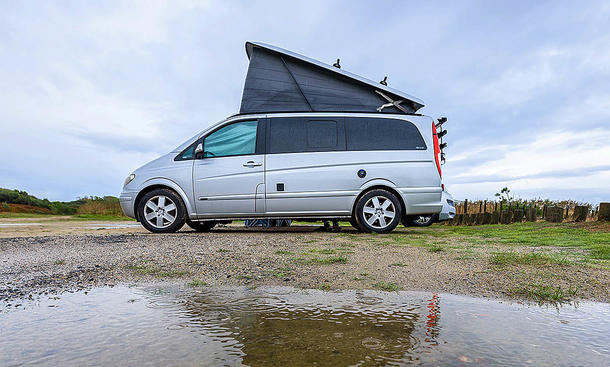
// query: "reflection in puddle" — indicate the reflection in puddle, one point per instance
point(281, 326)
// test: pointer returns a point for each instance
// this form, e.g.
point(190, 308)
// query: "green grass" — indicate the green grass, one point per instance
point(157, 272)
point(304, 259)
point(532, 258)
point(434, 248)
point(399, 264)
point(281, 272)
point(600, 252)
point(141, 269)
point(24, 215)
point(324, 287)
point(70, 217)
point(197, 283)
point(324, 251)
point(101, 217)
point(170, 274)
point(386, 286)
point(284, 252)
point(536, 234)
point(545, 293)
point(539, 234)
point(59, 262)
point(223, 250)
point(329, 260)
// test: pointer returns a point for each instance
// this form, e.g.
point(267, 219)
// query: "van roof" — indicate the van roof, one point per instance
point(279, 80)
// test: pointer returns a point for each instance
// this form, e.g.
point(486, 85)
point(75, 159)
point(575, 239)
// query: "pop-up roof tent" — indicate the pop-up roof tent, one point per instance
point(282, 81)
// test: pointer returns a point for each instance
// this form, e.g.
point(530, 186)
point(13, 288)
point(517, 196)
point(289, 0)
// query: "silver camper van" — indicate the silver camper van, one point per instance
point(311, 141)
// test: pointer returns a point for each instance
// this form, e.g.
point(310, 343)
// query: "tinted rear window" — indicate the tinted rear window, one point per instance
point(300, 134)
point(365, 133)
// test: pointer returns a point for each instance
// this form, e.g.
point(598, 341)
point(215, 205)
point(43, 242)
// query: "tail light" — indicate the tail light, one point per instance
point(437, 150)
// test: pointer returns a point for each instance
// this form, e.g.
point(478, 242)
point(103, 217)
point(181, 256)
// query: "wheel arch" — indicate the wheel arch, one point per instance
point(383, 185)
point(162, 184)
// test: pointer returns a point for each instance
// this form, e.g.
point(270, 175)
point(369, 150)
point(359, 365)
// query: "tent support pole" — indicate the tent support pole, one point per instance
point(297, 84)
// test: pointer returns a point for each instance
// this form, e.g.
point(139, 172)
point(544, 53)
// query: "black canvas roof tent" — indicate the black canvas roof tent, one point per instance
point(279, 80)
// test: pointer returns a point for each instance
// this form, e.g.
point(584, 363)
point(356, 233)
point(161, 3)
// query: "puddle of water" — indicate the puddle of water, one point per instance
point(289, 327)
point(111, 225)
point(20, 224)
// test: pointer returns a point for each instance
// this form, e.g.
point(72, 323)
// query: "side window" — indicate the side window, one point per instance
point(188, 153)
point(322, 134)
point(301, 134)
point(234, 139)
point(382, 134)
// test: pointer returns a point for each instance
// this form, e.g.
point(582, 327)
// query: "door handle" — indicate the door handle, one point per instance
point(252, 164)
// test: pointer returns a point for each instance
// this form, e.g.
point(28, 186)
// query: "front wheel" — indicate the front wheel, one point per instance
point(162, 211)
point(201, 226)
point(378, 211)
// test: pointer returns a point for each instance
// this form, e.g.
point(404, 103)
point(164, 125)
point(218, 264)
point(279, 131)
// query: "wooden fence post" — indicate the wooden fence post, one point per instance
point(603, 213)
point(580, 213)
point(544, 211)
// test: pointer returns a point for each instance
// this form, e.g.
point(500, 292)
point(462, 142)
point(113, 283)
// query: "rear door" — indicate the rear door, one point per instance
point(226, 178)
point(306, 167)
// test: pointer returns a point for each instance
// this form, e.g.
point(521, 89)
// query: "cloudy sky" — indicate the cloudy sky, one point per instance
point(89, 91)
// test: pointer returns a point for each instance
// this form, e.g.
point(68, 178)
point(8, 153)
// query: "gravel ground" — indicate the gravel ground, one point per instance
point(58, 260)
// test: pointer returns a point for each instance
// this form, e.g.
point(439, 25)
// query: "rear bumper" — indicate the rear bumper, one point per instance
point(448, 211)
point(446, 215)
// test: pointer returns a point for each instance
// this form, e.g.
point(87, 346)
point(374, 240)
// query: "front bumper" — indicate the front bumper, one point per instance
point(127, 200)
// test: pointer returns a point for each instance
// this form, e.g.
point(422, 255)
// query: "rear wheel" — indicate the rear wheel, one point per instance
point(378, 211)
point(420, 220)
point(162, 211)
point(354, 223)
point(201, 226)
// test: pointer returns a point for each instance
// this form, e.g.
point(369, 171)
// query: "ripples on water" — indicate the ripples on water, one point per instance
point(290, 327)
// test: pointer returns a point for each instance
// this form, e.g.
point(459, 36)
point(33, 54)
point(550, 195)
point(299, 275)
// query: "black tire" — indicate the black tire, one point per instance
point(201, 226)
point(354, 223)
point(420, 220)
point(364, 219)
point(178, 212)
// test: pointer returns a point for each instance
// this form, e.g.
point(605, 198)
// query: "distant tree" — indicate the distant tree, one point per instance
point(505, 196)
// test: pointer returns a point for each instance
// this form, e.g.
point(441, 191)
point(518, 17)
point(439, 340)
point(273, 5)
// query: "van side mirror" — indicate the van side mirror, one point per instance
point(199, 151)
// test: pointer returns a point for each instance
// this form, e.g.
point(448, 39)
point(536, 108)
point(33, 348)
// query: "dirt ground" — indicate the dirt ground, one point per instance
point(52, 255)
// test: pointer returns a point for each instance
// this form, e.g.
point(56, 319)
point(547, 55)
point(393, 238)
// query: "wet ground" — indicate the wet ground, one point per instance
point(538, 262)
point(281, 326)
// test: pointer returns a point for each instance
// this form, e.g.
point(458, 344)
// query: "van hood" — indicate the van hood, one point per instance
point(162, 163)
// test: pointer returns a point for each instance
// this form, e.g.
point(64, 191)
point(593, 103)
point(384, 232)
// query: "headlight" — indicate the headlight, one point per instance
point(129, 179)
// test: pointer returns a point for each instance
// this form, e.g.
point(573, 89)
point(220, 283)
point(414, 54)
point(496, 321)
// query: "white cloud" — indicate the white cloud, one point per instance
point(549, 151)
point(97, 89)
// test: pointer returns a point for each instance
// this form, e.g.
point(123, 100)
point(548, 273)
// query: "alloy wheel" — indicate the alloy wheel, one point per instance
point(379, 212)
point(160, 211)
point(423, 219)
